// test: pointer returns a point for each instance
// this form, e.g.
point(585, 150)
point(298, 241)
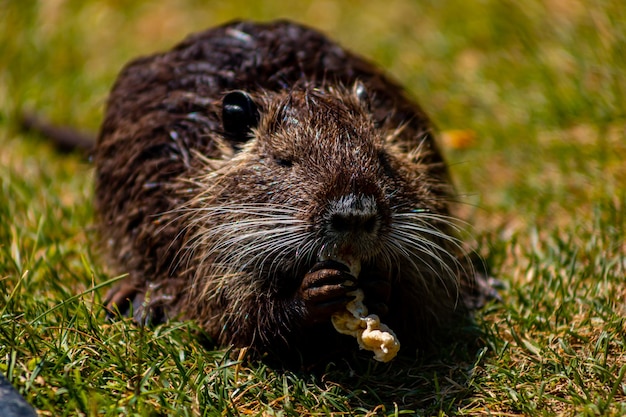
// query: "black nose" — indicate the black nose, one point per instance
point(354, 214)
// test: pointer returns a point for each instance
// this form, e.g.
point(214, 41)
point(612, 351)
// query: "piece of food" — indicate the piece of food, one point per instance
point(370, 333)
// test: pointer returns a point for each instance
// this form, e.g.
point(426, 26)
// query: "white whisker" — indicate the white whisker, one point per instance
point(234, 238)
point(423, 238)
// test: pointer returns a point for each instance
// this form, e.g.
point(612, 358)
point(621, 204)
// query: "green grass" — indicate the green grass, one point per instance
point(541, 84)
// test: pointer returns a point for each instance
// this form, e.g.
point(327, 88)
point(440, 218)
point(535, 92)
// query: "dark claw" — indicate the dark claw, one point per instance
point(330, 264)
point(322, 312)
point(127, 300)
point(325, 291)
point(119, 300)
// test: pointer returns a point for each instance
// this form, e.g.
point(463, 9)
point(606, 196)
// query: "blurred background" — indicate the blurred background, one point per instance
point(529, 96)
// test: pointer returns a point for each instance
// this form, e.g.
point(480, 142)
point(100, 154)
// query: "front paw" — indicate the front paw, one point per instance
point(120, 299)
point(126, 299)
point(324, 291)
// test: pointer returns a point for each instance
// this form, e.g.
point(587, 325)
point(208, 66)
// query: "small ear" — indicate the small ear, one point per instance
point(239, 115)
point(360, 92)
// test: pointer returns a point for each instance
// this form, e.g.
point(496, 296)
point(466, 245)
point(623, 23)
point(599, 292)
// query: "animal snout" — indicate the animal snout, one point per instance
point(354, 214)
point(352, 222)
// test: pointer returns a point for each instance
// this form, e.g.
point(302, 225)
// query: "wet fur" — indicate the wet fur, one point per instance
point(223, 233)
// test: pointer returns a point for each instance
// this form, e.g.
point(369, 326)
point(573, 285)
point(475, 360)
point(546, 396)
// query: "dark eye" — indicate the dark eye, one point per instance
point(360, 91)
point(239, 115)
point(284, 162)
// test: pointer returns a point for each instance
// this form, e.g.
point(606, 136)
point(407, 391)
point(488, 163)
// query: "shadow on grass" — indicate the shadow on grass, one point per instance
point(435, 379)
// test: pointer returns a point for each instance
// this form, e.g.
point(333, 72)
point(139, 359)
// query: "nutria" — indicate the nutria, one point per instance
point(226, 166)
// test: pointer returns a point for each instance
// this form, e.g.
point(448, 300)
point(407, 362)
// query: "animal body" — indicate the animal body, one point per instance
point(235, 171)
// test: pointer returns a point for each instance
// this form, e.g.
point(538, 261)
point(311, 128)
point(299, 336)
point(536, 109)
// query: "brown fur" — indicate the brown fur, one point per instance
point(230, 234)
